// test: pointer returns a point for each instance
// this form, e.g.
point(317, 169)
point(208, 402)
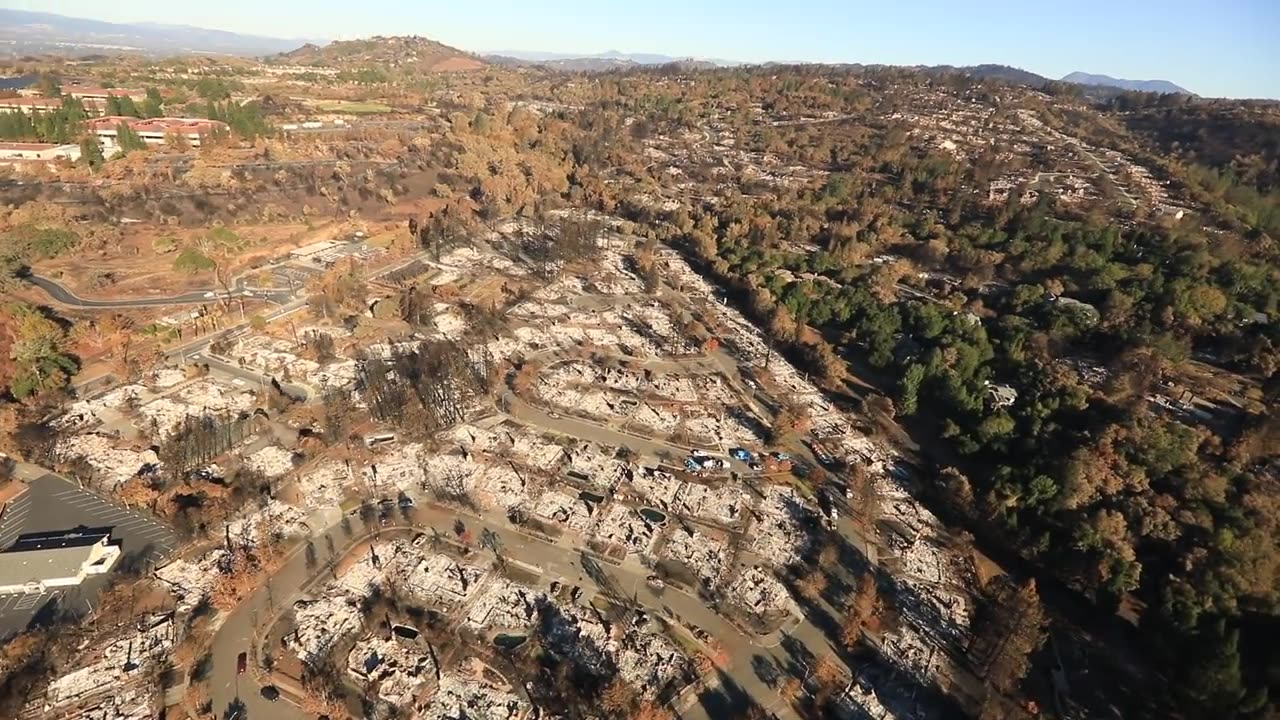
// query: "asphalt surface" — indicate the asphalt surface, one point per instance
point(195, 297)
point(251, 378)
point(232, 692)
point(52, 503)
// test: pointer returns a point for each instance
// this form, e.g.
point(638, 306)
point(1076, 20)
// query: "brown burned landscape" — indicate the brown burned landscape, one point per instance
point(785, 391)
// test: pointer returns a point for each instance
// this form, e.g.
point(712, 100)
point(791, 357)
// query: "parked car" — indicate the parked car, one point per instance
point(419, 540)
point(242, 662)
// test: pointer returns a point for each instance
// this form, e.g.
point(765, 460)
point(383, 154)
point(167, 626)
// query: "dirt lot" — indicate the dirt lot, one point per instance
point(140, 268)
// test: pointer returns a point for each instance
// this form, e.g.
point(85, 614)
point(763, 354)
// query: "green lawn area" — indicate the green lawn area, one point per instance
point(357, 108)
point(384, 240)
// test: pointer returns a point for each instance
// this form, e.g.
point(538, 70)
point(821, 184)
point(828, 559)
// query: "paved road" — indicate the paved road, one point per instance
point(251, 377)
point(239, 288)
point(230, 691)
point(65, 296)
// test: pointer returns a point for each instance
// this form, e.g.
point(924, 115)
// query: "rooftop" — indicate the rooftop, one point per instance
point(23, 564)
point(160, 124)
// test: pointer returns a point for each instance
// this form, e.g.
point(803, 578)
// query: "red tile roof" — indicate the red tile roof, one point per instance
point(158, 125)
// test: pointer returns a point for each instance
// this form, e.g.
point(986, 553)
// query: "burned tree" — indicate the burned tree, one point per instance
point(552, 246)
point(1008, 629)
point(197, 439)
point(427, 389)
point(443, 230)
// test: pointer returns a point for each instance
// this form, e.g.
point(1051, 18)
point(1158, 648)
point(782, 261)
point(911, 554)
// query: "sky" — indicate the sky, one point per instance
point(1227, 48)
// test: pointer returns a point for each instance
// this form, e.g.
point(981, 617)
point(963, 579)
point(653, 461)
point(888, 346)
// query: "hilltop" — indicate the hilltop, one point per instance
point(1158, 86)
point(409, 52)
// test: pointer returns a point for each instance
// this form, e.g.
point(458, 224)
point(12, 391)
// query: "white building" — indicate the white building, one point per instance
point(21, 151)
point(37, 563)
point(154, 131)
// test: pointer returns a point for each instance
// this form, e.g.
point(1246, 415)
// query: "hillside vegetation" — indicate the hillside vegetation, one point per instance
point(407, 53)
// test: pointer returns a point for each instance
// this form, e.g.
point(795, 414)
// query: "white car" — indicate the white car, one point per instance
point(238, 381)
point(211, 294)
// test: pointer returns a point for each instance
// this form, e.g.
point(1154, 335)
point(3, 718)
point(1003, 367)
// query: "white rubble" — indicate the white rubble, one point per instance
point(625, 527)
point(84, 413)
point(273, 521)
point(705, 556)
point(397, 667)
point(460, 696)
point(597, 465)
point(320, 624)
point(760, 593)
point(166, 377)
point(441, 580)
point(112, 465)
point(724, 505)
point(191, 582)
point(564, 509)
point(655, 487)
point(323, 485)
point(503, 604)
point(272, 461)
point(780, 533)
point(491, 486)
point(120, 660)
point(399, 468)
point(647, 661)
point(376, 563)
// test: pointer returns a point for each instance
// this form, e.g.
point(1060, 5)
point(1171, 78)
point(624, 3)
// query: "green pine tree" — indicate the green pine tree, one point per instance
point(91, 152)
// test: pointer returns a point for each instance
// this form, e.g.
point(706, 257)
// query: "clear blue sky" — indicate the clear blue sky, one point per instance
point(1224, 48)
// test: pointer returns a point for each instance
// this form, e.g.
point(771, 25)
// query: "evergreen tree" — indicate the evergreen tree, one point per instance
point(128, 107)
point(153, 106)
point(50, 86)
point(91, 152)
point(127, 138)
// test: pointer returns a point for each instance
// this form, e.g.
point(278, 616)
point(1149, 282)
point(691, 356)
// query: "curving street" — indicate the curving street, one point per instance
point(61, 294)
point(231, 692)
point(747, 654)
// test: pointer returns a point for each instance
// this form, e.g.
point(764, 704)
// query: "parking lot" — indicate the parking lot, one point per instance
point(52, 503)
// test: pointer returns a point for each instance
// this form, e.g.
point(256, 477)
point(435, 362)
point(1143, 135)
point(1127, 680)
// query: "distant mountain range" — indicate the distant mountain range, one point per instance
point(1097, 86)
point(609, 60)
point(28, 33)
point(1157, 86)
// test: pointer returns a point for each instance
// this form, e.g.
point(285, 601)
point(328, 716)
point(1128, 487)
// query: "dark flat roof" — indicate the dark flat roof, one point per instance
point(77, 537)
